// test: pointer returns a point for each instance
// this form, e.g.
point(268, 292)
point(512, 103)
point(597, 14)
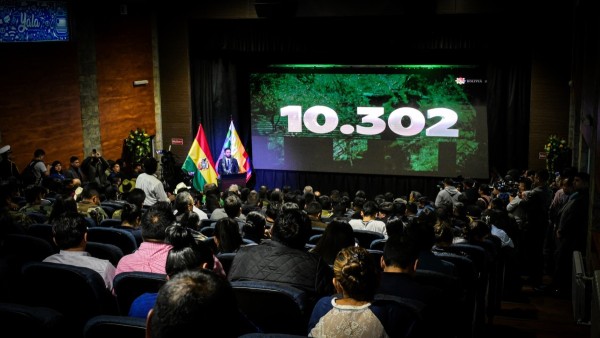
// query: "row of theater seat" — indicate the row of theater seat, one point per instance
point(475, 293)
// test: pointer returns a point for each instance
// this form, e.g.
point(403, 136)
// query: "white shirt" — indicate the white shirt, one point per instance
point(372, 225)
point(153, 187)
point(84, 259)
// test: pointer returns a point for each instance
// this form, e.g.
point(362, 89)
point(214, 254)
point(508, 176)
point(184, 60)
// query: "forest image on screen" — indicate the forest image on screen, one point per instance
point(420, 120)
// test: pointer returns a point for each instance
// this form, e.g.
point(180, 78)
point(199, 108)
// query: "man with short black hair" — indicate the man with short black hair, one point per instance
point(283, 258)
point(151, 185)
point(313, 209)
point(70, 234)
point(89, 206)
point(228, 165)
point(195, 301)
point(74, 171)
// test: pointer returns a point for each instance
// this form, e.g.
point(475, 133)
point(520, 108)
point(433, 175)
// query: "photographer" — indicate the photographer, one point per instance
point(94, 168)
point(514, 206)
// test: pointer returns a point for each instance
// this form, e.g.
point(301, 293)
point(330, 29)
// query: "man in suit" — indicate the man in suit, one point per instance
point(228, 165)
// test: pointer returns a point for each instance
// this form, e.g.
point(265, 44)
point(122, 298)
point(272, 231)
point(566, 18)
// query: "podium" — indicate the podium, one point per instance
point(227, 180)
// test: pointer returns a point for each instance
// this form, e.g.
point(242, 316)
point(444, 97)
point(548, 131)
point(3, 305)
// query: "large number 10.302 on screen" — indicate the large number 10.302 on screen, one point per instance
point(372, 118)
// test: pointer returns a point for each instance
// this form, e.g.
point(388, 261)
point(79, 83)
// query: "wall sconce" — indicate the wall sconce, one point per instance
point(139, 83)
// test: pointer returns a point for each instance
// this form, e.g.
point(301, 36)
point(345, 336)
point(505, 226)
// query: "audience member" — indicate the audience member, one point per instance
point(368, 219)
point(254, 228)
point(337, 235)
point(313, 209)
point(399, 263)
point(186, 254)
point(195, 301)
point(70, 235)
point(283, 258)
point(152, 254)
point(89, 206)
point(151, 185)
point(351, 312)
point(227, 236)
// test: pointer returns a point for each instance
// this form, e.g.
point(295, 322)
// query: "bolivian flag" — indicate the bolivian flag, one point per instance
point(200, 162)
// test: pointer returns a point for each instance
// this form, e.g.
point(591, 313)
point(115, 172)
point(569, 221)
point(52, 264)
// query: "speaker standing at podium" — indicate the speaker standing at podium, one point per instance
point(228, 165)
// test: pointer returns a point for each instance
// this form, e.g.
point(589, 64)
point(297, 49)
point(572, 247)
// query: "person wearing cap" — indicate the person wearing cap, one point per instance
point(8, 168)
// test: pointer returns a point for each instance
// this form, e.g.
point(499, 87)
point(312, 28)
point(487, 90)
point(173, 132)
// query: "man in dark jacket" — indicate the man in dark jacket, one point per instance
point(283, 258)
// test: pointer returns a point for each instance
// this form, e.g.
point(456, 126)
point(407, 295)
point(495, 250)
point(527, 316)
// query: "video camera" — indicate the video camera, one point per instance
point(507, 185)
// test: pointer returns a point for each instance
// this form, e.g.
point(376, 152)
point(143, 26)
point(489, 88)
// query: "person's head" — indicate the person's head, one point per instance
point(355, 273)
point(131, 214)
point(308, 189)
point(385, 209)
point(156, 220)
point(39, 154)
point(136, 196)
point(184, 202)
point(400, 254)
point(448, 182)
point(541, 177)
point(394, 226)
point(414, 196)
point(233, 206)
point(91, 194)
point(420, 230)
point(227, 152)
point(337, 235)
point(194, 300)
point(477, 231)
point(254, 228)
point(70, 231)
point(292, 228)
point(187, 253)
point(212, 202)
point(190, 220)
point(115, 167)
point(56, 167)
point(150, 165)
point(581, 181)
point(314, 209)
point(370, 209)
point(227, 235)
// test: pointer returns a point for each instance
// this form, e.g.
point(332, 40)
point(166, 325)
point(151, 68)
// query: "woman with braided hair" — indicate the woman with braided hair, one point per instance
point(352, 312)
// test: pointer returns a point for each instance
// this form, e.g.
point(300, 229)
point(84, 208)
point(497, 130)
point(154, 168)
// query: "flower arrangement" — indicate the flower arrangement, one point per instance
point(556, 151)
point(139, 144)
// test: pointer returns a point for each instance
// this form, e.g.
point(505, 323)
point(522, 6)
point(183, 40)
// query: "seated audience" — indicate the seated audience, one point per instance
point(337, 235)
point(131, 219)
point(254, 228)
point(314, 209)
point(283, 258)
point(399, 263)
point(186, 254)
point(70, 235)
point(196, 302)
point(368, 220)
point(227, 235)
point(135, 196)
point(89, 206)
point(351, 312)
point(152, 254)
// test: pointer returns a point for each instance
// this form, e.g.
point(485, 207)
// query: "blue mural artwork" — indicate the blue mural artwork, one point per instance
point(33, 21)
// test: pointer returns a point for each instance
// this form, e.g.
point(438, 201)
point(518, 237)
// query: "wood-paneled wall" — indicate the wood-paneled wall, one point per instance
point(40, 93)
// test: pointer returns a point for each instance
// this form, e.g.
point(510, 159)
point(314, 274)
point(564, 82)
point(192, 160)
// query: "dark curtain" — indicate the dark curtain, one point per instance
point(508, 116)
point(223, 51)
